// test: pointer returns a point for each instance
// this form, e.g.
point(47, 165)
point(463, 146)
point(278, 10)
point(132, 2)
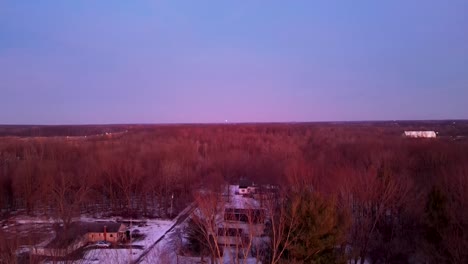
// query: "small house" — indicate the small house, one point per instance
point(78, 235)
point(105, 231)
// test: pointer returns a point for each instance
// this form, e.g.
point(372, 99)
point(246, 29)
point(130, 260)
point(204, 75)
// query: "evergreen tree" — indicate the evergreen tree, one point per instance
point(320, 231)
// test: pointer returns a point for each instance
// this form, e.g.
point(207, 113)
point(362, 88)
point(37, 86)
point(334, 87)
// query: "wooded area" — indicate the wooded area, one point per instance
point(356, 191)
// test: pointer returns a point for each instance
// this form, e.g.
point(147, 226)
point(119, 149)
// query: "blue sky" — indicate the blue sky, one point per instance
point(82, 62)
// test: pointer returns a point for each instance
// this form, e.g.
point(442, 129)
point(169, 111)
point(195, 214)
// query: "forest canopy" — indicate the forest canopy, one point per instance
point(389, 198)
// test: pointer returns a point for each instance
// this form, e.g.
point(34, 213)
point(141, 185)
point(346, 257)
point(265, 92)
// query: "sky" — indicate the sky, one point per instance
point(103, 62)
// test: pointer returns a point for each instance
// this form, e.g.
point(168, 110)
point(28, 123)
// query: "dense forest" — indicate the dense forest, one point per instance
point(371, 192)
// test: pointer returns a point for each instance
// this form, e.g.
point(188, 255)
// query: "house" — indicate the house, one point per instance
point(240, 224)
point(263, 193)
point(243, 219)
point(80, 234)
point(420, 134)
point(231, 236)
point(243, 188)
point(246, 188)
point(105, 231)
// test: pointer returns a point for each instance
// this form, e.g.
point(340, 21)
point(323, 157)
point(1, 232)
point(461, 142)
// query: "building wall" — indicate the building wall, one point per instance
point(229, 240)
point(255, 229)
point(110, 237)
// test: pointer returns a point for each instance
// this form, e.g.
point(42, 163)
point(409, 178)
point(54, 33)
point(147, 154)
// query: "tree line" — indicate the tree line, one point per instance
point(348, 192)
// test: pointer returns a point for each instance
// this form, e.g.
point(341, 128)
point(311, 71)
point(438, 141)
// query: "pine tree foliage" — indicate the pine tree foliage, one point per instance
point(320, 230)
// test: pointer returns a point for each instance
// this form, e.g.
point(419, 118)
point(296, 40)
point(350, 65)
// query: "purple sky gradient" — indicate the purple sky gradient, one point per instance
point(82, 62)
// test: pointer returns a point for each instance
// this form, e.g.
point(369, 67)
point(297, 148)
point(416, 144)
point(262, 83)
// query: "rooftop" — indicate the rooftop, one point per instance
point(64, 238)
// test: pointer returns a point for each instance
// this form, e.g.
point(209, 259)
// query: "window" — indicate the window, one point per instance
point(229, 232)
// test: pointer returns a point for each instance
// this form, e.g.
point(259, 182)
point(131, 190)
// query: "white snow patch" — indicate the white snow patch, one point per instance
point(153, 230)
point(110, 256)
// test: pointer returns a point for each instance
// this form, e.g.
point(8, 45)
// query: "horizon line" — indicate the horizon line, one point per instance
point(239, 123)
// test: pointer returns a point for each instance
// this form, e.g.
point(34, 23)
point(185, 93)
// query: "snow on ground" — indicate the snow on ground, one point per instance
point(239, 201)
point(229, 256)
point(150, 231)
point(153, 230)
point(162, 253)
point(165, 252)
point(109, 255)
point(25, 219)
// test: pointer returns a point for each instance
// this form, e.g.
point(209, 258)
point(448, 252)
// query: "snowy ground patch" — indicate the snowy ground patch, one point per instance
point(152, 231)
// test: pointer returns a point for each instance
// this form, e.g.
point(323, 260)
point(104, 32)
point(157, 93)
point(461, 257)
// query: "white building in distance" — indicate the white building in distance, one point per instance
point(420, 134)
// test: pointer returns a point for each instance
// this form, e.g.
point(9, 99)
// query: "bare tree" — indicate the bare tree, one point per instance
point(205, 222)
point(372, 196)
point(283, 222)
point(66, 192)
point(8, 249)
point(26, 184)
point(248, 226)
